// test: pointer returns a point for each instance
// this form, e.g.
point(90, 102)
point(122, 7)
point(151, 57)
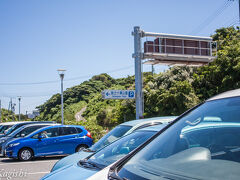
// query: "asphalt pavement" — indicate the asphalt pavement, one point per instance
point(11, 169)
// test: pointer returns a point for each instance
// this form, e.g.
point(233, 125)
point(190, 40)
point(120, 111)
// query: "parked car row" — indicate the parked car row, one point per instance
point(25, 140)
point(202, 143)
point(97, 161)
point(116, 133)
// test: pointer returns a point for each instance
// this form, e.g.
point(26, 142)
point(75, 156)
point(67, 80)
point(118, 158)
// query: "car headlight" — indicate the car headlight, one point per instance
point(14, 144)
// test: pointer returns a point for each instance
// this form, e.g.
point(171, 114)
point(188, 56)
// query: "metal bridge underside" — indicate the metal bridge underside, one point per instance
point(176, 59)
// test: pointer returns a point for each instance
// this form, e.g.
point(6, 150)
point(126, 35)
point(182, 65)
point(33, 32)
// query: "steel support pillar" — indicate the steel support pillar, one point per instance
point(137, 33)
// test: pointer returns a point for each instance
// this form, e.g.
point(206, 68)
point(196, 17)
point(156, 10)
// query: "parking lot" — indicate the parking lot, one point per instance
point(29, 170)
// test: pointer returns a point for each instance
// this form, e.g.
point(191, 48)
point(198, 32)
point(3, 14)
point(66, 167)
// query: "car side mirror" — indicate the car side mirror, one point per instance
point(40, 137)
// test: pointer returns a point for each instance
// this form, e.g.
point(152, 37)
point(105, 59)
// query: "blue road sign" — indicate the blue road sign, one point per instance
point(118, 94)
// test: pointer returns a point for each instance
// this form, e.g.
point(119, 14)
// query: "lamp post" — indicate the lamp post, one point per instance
point(19, 100)
point(61, 74)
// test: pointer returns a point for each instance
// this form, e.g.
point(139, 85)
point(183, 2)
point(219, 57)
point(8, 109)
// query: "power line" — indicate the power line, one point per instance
point(207, 21)
point(51, 93)
point(56, 81)
point(87, 76)
point(31, 96)
point(231, 21)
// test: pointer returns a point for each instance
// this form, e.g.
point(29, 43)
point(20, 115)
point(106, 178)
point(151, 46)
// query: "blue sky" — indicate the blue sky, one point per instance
point(88, 37)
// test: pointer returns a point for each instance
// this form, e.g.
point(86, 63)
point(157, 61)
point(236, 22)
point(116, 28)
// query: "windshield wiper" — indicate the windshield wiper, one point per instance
point(88, 164)
point(113, 176)
point(88, 150)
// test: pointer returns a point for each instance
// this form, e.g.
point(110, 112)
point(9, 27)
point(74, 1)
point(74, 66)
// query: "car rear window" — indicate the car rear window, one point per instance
point(79, 130)
point(67, 131)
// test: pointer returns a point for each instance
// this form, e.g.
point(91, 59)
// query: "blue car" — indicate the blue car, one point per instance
point(19, 133)
point(104, 157)
point(48, 141)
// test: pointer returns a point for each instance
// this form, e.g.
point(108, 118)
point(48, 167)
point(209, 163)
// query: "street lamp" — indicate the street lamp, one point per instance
point(61, 74)
point(19, 99)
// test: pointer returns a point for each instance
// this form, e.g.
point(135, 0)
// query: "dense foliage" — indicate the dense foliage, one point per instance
point(222, 74)
point(7, 116)
point(168, 93)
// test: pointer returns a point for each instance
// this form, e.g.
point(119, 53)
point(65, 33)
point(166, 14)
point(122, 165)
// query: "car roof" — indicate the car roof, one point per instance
point(55, 125)
point(163, 119)
point(12, 123)
point(153, 128)
point(46, 124)
point(36, 122)
point(228, 94)
point(60, 125)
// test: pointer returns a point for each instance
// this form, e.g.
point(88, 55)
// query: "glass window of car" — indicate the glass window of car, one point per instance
point(198, 138)
point(192, 148)
point(13, 128)
point(79, 130)
point(113, 135)
point(4, 128)
point(67, 131)
point(27, 131)
point(48, 133)
point(120, 148)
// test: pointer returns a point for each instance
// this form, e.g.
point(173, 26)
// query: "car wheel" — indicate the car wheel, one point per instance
point(25, 154)
point(81, 147)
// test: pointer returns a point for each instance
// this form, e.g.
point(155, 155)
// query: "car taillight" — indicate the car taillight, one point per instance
point(89, 135)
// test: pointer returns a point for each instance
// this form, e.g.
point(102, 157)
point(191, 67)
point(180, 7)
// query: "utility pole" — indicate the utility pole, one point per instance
point(19, 105)
point(13, 110)
point(10, 105)
point(137, 33)
point(238, 11)
point(152, 69)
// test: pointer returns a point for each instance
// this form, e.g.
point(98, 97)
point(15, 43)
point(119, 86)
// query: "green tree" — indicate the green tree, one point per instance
point(223, 73)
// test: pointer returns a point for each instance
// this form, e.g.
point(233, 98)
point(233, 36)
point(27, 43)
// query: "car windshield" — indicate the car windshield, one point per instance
point(10, 130)
point(3, 128)
point(13, 133)
point(120, 148)
point(113, 135)
point(193, 148)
